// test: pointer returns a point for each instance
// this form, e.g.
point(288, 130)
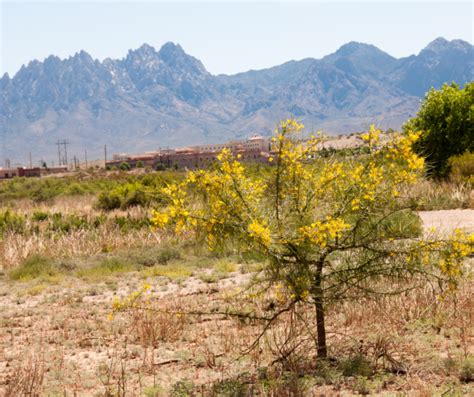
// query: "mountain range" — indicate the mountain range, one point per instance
point(167, 98)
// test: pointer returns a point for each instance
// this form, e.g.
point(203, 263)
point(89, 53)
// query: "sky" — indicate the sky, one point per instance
point(228, 37)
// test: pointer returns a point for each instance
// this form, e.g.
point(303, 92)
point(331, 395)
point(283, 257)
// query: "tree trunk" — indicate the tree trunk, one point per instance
point(318, 297)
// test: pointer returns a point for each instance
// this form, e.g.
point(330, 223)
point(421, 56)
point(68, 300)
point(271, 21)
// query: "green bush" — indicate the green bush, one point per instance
point(109, 201)
point(67, 223)
point(124, 196)
point(462, 168)
point(402, 224)
point(11, 222)
point(183, 388)
point(446, 122)
point(356, 366)
point(125, 166)
point(467, 370)
point(39, 216)
point(33, 267)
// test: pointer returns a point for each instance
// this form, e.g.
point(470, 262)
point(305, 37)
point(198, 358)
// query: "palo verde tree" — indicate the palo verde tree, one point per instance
point(332, 228)
point(446, 118)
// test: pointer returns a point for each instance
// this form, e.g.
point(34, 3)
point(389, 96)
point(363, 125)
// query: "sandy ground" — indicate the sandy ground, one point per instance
point(66, 328)
point(445, 221)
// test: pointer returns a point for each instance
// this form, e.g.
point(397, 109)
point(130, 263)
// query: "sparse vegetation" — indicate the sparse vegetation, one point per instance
point(193, 327)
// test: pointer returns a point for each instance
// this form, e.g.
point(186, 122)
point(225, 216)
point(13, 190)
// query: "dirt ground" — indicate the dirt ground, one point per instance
point(63, 334)
point(446, 221)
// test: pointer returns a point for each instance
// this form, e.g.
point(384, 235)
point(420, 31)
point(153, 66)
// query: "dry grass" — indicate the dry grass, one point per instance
point(56, 337)
point(413, 343)
point(432, 195)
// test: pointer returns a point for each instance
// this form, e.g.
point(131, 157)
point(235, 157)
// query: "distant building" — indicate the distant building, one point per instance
point(7, 173)
point(35, 172)
point(254, 149)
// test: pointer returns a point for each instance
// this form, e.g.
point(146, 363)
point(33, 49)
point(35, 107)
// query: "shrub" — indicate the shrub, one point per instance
point(11, 222)
point(445, 119)
point(182, 388)
point(125, 166)
point(331, 229)
point(124, 196)
point(39, 216)
point(166, 254)
point(467, 370)
point(108, 201)
point(462, 168)
point(356, 366)
point(33, 267)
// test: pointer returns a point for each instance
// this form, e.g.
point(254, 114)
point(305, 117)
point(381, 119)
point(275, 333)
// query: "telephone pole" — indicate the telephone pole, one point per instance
point(62, 152)
point(105, 156)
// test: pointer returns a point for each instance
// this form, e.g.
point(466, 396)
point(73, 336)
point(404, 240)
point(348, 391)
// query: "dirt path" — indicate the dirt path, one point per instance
point(446, 221)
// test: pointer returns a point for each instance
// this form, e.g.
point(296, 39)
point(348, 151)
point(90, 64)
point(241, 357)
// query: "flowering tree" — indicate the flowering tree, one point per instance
point(332, 228)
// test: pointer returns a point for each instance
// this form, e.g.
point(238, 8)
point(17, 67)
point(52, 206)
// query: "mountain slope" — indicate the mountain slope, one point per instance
point(167, 98)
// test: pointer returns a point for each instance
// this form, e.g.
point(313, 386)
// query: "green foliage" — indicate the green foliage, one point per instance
point(11, 222)
point(39, 216)
point(33, 267)
point(124, 196)
point(167, 253)
point(402, 224)
point(182, 388)
point(81, 183)
point(230, 388)
point(105, 267)
point(446, 119)
point(467, 370)
point(153, 391)
point(356, 366)
point(462, 168)
point(125, 166)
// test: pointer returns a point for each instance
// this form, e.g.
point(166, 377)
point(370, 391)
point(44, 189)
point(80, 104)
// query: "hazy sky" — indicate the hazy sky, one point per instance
point(228, 37)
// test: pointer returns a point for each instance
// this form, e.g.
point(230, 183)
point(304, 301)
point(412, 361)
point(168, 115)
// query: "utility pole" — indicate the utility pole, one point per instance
point(59, 153)
point(65, 143)
point(105, 156)
point(31, 162)
point(62, 152)
point(85, 155)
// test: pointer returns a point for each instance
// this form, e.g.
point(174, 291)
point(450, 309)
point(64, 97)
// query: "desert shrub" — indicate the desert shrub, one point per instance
point(139, 164)
point(462, 168)
point(39, 216)
point(167, 254)
point(33, 267)
point(65, 223)
point(429, 195)
point(106, 267)
point(230, 388)
point(124, 196)
point(331, 230)
point(109, 201)
point(467, 370)
point(125, 166)
point(182, 388)
point(356, 366)
point(127, 223)
point(11, 222)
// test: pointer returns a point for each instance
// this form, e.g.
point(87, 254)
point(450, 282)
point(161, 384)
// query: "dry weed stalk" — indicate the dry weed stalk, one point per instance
point(27, 379)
